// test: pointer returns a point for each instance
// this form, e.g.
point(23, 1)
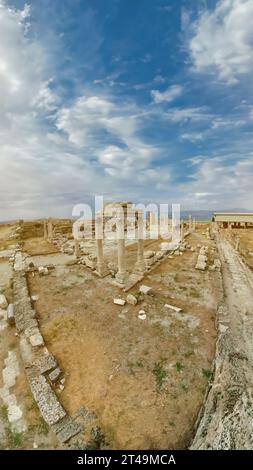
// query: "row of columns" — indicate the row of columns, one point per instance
point(140, 266)
point(121, 276)
point(191, 225)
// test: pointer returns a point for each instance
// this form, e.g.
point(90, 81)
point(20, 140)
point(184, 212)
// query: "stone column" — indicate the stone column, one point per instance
point(121, 274)
point(190, 223)
point(194, 224)
point(45, 230)
point(182, 231)
point(140, 266)
point(237, 243)
point(101, 269)
point(50, 230)
point(77, 248)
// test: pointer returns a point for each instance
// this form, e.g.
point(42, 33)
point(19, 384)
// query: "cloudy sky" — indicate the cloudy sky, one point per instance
point(143, 100)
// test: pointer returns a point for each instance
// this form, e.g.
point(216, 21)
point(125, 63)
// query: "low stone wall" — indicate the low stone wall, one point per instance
point(226, 418)
point(39, 363)
point(228, 405)
point(32, 229)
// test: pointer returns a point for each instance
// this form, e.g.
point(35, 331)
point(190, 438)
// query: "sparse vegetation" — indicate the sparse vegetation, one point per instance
point(176, 278)
point(207, 374)
point(134, 365)
point(14, 439)
point(194, 293)
point(160, 374)
point(4, 412)
point(184, 387)
point(179, 366)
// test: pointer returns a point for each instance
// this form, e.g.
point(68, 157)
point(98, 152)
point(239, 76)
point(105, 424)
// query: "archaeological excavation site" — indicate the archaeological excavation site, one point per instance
point(126, 342)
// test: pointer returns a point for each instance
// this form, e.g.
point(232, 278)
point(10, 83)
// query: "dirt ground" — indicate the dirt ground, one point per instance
point(145, 379)
point(246, 245)
point(37, 246)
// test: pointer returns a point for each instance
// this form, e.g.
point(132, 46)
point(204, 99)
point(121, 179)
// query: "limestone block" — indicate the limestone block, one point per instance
point(169, 246)
point(217, 263)
point(119, 301)
point(131, 299)
point(201, 266)
point(42, 271)
point(48, 403)
point(36, 340)
point(35, 298)
point(202, 259)
point(142, 315)
point(3, 301)
point(55, 374)
point(149, 261)
point(145, 289)
point(149, 254)
point(159, 254)
point(90, 262)
point(10, 314)
point(172, 307)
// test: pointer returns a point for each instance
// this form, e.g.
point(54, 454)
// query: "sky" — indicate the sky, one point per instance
point(139, 100)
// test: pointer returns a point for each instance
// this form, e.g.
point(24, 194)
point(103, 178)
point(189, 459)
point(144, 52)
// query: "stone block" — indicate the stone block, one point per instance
point(172, 307)
point(201, 266)
point(131, 299)
point(145, 289)
point(10, 314)
point(47, 401)
point(36, 340)
point(55, 375)
point(159, 254)
point(119, 301)
point(149, 254)
point(3, 301)
point(142, 315)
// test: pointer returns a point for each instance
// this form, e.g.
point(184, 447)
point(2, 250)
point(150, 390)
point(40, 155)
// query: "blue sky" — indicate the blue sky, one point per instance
point(142, 100)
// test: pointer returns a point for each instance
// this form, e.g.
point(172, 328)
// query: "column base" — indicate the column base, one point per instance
point(140, 267)
point(102, 270)
point(121, 278)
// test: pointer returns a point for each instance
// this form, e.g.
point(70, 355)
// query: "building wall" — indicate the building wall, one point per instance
point(234, 218)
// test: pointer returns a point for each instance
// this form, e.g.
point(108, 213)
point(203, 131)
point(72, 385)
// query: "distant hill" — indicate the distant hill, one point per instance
point(207, 214)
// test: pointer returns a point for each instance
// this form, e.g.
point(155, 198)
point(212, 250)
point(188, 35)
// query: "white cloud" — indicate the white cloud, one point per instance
point(223, 40)
point(193, 136)
point(220, 182)
point(107, 131)
point(39, 171)
point(53, 156)
point(251, 113)
point(168, 95)
point(187, 114)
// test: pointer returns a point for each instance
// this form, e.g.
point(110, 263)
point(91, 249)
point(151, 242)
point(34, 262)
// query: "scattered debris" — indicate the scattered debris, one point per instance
point(172, 307)
point(131, 299)
point(35, 298)
point(10, 315)
point(145, 289)
point(3, 301)
point(54, 375)
point(119, 301)
point(142, 315)
point(43, 271)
